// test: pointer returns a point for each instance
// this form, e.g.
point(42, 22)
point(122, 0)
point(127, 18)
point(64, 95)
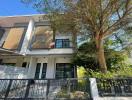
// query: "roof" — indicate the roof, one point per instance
point(8, 21)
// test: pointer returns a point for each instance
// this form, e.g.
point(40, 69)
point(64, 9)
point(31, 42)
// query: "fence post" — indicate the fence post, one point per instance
point(69, 87)
point(27, 88)
point(47, 90)
point(94, 89)
point(8, 88)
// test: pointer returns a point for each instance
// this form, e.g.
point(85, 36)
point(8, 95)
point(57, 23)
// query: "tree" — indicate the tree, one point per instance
point(86, 57)
point(101, 18)
point(104, 17)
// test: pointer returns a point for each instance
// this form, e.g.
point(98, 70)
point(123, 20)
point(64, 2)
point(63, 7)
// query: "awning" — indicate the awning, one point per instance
point(4, 52)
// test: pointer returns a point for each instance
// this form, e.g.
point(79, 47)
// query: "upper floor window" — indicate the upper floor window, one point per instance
point(62, 43)
point(14, 38)
point(42, 37)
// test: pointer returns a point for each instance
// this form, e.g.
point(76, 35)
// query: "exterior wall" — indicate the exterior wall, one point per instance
point(54, 51)
point(51, 65)
point(50, 73)
point(32, 67)
point(32, 61)
point(8, 60)
point(17, 60)
point(51, 56)
point(63, 60)
point(27, 37)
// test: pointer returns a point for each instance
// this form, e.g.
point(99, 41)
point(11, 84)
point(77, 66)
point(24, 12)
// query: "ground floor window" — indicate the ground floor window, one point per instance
point(24, 64)
point(64, 70)
point(41, 71)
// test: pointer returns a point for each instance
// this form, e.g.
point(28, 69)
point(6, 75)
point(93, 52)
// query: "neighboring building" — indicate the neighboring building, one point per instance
point(27, 41)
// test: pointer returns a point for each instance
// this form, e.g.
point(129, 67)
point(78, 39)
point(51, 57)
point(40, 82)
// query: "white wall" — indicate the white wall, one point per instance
point(63, 60)
point(27, 37)
point(50, 67)
point(50, 60)
point(17, 60)
point(9, 60)
point(32, 67)
point(42, 60)
point(54, 51)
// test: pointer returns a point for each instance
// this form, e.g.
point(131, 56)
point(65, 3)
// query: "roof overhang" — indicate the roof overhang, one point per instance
point(6, 52)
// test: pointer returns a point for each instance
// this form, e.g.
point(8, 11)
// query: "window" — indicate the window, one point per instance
point(37, 70)
point(43, 75)
point(64, 70)
point(14, 38)
point(62, 43)
point(24, 64)
point(42, 37)
point(41, 70)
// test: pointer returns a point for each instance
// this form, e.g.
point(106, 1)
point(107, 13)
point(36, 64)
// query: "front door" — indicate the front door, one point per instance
point(41, 71)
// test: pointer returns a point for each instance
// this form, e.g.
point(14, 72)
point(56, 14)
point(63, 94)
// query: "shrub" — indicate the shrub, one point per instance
point(123, 72)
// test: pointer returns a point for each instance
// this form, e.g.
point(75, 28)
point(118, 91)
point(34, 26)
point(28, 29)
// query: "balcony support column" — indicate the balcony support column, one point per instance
point(50, 73)
point(32, 67)
point(27, 37)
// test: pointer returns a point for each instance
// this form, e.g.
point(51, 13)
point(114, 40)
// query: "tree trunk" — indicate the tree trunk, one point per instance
point(101, 56)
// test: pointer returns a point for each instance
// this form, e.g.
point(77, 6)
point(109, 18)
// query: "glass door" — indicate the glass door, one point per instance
point(41, 71)
point(44, 68)
point(37, 70)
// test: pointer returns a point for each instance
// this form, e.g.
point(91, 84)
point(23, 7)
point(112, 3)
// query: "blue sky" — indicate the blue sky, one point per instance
point(15, 7)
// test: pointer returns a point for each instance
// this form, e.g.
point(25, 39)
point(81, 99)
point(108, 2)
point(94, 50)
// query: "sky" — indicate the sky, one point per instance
point(15, 7)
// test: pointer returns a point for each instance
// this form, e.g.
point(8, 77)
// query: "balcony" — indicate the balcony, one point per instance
point(61, 46)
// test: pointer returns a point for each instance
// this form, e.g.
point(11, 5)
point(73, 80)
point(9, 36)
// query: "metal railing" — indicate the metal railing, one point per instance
point(47, 89)
point(115, 87)
point(62, 89)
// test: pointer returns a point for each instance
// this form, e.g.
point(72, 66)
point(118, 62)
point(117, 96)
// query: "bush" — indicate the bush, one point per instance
point(123, 72)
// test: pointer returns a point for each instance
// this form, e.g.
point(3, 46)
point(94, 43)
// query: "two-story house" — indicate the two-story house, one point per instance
point(27, 41)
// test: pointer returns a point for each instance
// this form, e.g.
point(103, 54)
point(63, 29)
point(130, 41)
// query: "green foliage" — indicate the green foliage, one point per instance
point(115, 59)
point(62, 94)
point(86, 57)
point(122, 72)
point(81, 72)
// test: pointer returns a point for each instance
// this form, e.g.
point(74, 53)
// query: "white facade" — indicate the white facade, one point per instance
point(51, 57)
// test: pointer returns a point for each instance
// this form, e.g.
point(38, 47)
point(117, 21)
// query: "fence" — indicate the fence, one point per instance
point(48, 89)
point(115, 87)
point(65, 89)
